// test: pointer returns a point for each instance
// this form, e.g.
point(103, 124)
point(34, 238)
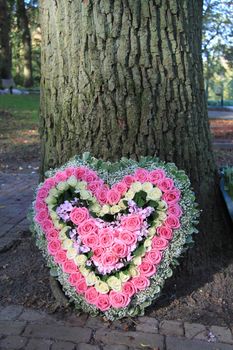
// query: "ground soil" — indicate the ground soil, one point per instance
point(24, 279)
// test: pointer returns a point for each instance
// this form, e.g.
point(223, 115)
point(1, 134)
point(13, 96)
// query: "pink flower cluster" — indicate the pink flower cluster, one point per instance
point(110, 244)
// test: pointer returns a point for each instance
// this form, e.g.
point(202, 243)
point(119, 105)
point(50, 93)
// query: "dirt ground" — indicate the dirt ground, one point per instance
point(24, 278)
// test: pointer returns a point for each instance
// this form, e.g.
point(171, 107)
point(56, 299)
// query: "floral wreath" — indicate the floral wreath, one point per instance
point(112, 232)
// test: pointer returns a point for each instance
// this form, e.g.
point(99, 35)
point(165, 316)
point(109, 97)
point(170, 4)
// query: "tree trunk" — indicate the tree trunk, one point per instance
point(26, 41)
point(5, 49)
point(124, 78)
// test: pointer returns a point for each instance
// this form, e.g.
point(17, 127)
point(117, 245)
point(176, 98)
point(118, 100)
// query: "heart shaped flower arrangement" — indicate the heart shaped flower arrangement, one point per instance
point(111, 233)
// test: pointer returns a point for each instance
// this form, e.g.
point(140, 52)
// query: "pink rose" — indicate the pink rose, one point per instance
point(60, 257)
point(165, 184)
point(120, 249)
point(40, 205)
point(52, 234)
point(159, 243)
point(172, 222)
point(80, 172)
point(70, 171)
point(119, 299)
point(91, 295)
point(140, 282)
point(54, 246)
point(60, 176)
point(109, 259)
point(103, 302)
point(128, 288)
point(128, 237)
point(165, 232)
point(42, 192)
point(147, 269)
point(142, 175)
point(132, 222)
point(101, 195)
point(105, 237)
point(121, 187)
point(81, 286)
point(156, 175)
point(90, 176)
point(94, 186)
point(69, 267)
point(87, 227)
point(113, 196)
point(41, 216)
point(154, 256)
point(91, 240)
point(47, 225)
point(175, 210)
point(78, 215)
point(172, 197)
point(74, 278)
point(50, 182)
point(128, 180)
point(98, 251)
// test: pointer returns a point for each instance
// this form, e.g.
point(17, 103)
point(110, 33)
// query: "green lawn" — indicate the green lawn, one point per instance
point(24, 108)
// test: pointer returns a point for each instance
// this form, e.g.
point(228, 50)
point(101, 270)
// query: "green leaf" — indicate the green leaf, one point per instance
point(139, 251)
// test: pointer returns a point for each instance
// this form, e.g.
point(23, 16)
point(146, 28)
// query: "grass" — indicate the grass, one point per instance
point(24, 108)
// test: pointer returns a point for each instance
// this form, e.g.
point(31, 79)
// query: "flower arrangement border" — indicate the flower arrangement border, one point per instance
point(181, 241)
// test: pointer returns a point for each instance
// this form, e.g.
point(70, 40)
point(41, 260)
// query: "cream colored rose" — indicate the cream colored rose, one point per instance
point(72, 181)
point(154, 195)
point(162, 216)
point(147, 187)
point(136, 186)
point(133, 271)
point(67, 243)
point(51, 200)
point(102, 287)
point(91, 279)
point(85, 194)
point(129, 195)
point(124, 277)
point(151, 231)
point(147, 242)
point(53, 215)
point(71, 253)
point(84, 271)
point(162, 205)
point(58, 225)
point(105, 209)
point(137, 260)
point(122, 205)
point(114, 283)
point(115, 209)
point(53, 192)
point(96, 208)
point(62, 186)
point(81, 185)
point(80, 260)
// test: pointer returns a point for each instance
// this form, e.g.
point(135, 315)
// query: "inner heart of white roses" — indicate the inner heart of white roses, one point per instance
point(107, 246)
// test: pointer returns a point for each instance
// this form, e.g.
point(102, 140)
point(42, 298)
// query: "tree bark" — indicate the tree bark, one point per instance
point(26, 41)
point(5, 49)
point(124, 78)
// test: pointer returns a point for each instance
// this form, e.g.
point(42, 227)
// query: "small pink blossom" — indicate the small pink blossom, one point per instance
point(109, 259)
point(165, 232)
point(91, 295)
point(154, 256)
point(142, 175)
point(175, 210)
point(91, 240)
point(78, 215)
point(74, 278)
point(147, 269)
point(103, 302)
point(105, 237)
point(128, 180)
point(87, 227)
point(156, 175)
point(80, 172)
point(113, 196)
point(172, 222)
point(121, 187)
point(159, 243)
point(69, 266)
point(118, 299)
point(60, 257)
point(120, 249)
point(132, 222)
point(128, 288)
point(140, 282)
point(54, 246)
point(81, 286)
point(128, 237)
point(171, 197)
point(60, 176)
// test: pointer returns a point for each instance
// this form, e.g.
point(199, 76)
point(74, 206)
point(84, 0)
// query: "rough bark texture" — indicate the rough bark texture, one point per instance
point(5, 49)
point(26, 41)
point(124, 78)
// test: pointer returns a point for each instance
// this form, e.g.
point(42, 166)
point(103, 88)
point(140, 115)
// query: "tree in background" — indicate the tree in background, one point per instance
point(217, 42)
point(125, 79)
point(23, 26)
point(5, 48)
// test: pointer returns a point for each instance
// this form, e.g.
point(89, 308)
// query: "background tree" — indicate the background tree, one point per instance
point(217, 40)
point(5, 48)
point(23, 26)
point(124, 78)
